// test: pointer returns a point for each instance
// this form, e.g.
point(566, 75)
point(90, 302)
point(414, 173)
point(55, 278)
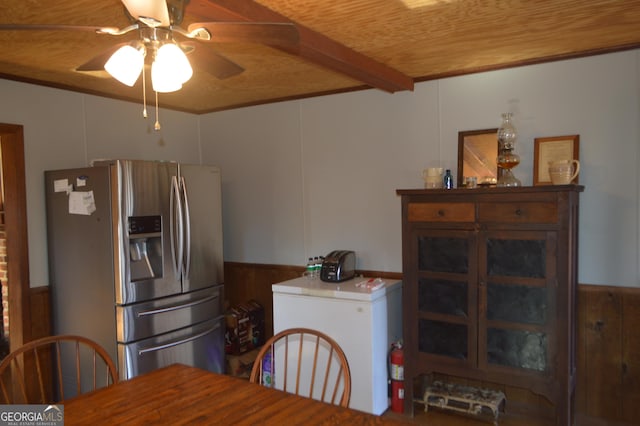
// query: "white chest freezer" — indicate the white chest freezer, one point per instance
point(364, 322)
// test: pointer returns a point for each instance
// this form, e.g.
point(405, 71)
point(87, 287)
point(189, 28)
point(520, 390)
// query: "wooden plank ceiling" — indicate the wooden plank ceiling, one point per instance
point(343, 45)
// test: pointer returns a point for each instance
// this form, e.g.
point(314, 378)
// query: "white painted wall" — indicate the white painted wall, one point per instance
point(301, 178)
point(356, 149)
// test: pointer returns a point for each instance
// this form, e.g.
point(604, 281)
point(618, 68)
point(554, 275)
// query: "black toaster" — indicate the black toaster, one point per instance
point(339, 265)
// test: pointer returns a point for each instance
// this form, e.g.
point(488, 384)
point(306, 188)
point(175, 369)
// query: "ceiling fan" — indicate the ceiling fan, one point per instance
point(158, 22)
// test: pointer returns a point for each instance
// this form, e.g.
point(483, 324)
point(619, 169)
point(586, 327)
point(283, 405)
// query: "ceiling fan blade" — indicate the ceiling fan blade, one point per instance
point(52, 27)
point(215, 64)
point(153, 13)
point(97, 62)
point(270, 33)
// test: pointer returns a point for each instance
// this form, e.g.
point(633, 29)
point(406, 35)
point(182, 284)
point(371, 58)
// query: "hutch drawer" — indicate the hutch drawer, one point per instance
point(518, 212)
point(441, 212)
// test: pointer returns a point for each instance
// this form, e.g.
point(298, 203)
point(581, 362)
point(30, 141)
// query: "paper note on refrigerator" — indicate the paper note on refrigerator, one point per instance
point(81, 202)
point(61, 185)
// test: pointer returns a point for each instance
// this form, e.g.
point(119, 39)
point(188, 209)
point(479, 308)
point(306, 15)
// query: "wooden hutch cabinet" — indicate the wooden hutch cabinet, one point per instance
point(489, 285)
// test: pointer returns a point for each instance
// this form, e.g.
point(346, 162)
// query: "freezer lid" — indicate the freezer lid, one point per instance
point(357, 288)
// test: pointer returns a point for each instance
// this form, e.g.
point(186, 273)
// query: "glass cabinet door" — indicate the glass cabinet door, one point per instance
point(515, 300)
point(446, 296)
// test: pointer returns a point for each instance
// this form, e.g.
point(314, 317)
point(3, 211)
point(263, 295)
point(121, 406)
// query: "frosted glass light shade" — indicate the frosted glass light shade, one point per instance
point(126, 64)
point(163, 79)
point(170, 69)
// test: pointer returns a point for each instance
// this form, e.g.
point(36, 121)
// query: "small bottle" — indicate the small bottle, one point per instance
point(448, 180)
point(317, 265)
point(309, 272)
point(267, 370)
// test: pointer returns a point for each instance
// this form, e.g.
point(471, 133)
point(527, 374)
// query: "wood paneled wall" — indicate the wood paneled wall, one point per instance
point(608, 353)
point(608, 344)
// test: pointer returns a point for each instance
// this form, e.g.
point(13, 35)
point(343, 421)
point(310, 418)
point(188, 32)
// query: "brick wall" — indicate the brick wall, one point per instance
point(3, 279)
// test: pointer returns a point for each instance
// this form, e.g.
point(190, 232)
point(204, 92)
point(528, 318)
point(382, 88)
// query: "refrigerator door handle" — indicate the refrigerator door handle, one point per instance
point(177, 307)
point(187, 225)
point(176, 227)
point(128, 187)
point(179, 342)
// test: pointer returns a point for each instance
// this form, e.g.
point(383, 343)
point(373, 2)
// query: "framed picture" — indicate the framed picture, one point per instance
point(477, 153)
point(551, 149)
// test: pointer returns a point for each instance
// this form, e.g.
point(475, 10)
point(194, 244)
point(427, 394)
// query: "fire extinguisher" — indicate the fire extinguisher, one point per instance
point(397, 377)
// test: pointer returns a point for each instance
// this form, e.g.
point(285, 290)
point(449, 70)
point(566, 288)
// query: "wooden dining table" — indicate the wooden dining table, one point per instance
point(182, 395)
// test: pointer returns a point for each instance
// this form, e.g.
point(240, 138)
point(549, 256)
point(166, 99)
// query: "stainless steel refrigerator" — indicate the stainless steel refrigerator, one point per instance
point(135, 261)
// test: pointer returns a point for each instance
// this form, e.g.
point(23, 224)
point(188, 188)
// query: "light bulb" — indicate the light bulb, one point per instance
point(171, 53)
point(125, 65)
point(163, 79)
point(170, 69)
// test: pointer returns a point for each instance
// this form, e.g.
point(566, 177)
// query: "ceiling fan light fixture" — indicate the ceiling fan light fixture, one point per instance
point(172, 55)
point(170, 69)
point(163, 78)
point(126, 64)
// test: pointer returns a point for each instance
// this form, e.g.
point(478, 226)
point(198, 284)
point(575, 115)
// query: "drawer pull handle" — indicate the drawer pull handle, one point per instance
point(518, 212)
point(441, 213)
point(178, 307)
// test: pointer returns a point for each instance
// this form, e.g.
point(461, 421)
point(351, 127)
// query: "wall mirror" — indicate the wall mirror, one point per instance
point(477, 153)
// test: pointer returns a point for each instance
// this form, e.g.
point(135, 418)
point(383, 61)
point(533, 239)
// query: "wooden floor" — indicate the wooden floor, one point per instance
point(437, 417)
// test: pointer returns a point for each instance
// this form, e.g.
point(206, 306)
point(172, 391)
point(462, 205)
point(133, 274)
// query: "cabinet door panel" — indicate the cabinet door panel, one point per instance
point(517, 348)
point(443, 254)
point(516, 299)
point(516, 257)
point(517, 303)
point(443, 297)
point(447, 294)
point(443, 338)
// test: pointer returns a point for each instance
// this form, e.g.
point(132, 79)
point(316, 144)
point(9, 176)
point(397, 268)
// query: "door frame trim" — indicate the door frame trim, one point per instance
point(15, 214)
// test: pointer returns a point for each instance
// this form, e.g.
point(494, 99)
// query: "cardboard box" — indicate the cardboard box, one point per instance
point(237, 331)
point(256, 323)
point(241, 365)
point(244, 328)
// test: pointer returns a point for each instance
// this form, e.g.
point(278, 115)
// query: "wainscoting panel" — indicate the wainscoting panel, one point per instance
point(631, 356)
point(608, 354)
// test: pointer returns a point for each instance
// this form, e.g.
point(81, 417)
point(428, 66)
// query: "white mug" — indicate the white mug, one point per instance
point(563, 172)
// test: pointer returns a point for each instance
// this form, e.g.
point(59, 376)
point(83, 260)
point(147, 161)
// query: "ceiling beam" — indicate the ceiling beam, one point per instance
point(313, 46)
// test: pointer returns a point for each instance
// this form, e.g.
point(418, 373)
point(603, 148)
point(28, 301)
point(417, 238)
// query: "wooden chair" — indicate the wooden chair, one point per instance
point(36, 373)
point(324, 369)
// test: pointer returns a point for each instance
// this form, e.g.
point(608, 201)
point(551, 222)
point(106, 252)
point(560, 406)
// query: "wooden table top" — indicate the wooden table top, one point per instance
point(181, 395)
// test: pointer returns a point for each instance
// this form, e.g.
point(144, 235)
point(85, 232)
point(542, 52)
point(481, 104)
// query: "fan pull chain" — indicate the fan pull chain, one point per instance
point(144, 95)
point(157, 125)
